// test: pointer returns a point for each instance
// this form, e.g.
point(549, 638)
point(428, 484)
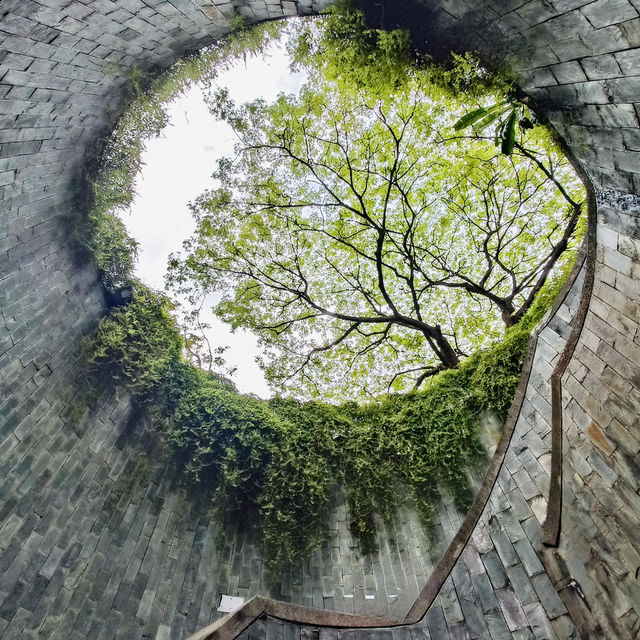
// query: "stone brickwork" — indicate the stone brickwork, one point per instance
point(95, 542)
point(112, 547)
point(602, 431)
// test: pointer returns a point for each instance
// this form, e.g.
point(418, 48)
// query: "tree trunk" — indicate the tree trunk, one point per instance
point(442, 348)
point(507, 315)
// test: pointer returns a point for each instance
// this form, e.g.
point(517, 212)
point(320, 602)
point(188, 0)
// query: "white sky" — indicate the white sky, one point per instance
point(177, 167)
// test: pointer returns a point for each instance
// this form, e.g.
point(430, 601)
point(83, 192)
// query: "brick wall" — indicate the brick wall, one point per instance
point(94, 542)
point(602, 430)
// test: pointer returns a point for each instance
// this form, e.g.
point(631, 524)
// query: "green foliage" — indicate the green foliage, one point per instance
point(507, 114)
point(547, 295)
point(112, 188)
point(295, 498)
point(226, 442)
point(438, 436)
point(465, 75)
point(405, 448)
point(371, 467)
point(342, 48)
point(277, 463)
point(495, 373)
point(113, 249)
point(136, 345)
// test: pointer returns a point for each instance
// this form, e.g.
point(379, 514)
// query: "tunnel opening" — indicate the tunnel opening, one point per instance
point(387, 499)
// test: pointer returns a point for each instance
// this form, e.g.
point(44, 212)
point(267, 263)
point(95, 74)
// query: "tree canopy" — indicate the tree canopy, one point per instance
point(368, 242)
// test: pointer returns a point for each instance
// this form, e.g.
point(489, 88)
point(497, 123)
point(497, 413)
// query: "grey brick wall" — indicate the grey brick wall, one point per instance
point(602, 428)
point(97, 542)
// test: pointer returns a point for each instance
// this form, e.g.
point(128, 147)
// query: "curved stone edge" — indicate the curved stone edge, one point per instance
point(558, 572)
point(551, 527)
point(232, 625)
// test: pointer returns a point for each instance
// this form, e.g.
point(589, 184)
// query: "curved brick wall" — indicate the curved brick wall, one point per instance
point(96, 542)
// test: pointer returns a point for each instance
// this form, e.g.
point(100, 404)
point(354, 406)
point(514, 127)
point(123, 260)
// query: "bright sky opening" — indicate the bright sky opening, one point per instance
point(177, 167)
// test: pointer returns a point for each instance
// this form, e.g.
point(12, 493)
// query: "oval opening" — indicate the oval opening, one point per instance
point(381, 486)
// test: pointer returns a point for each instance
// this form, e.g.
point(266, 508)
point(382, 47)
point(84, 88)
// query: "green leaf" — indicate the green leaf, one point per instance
point(490, 119)
point(509, 135)
point(483, 113)
point(469, 118)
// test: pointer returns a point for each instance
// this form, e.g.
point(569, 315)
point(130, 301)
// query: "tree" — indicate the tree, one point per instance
point(197, 348)
point(365, 242)
point(507, 214)
point(344, 49)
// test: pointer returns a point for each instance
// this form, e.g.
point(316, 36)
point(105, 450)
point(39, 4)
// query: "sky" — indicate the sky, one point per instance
point(177, 167)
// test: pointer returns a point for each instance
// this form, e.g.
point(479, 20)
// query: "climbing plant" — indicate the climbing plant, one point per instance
point(277, 462)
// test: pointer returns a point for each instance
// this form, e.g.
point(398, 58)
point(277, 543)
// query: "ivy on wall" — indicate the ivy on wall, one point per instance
point(277, 462)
